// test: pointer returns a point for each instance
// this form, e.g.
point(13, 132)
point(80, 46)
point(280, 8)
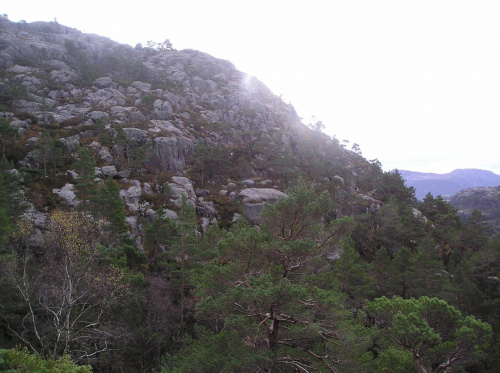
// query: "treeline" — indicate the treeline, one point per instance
point(407, 287)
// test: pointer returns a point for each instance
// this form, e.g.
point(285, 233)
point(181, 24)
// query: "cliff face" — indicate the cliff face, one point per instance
point(150, 115)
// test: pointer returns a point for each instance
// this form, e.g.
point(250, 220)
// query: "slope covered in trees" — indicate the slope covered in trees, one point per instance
point(160, 212)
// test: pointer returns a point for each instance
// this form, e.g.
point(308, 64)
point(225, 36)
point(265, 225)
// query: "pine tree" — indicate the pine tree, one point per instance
point(7, 135)
point(85, 186)
point(107, 205)
point(437, 335)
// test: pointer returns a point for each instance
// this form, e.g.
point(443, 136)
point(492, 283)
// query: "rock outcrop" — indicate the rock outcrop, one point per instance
point(254, 199)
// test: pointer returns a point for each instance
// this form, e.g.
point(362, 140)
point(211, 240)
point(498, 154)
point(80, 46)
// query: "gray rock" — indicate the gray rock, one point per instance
point(142, 86)
point(147, 189)
point(67, 194)
point(103, 82)
point(37, 239)
point(137, 116)
point(252, 211)
point(205, 223)
point(206, 209)
point(133, 221)
point(38, 218)
point(493, 280)
point(26, 106)
point(105, 155)
point(248, 182)
point(170, 214)
point(173, 151)
point(338, 178)
point(63, 76)
point(418, 214)
point(109, 171)
point(19, 177)
point(18, 124)
point(72, 174)
point(31, 159)
point(266, 183)
point(106, 97)
point(151, 214)
point(124, 174)
point(138, 243)
point(56, 65)
point(185, 183)
point(199, 85)
point(202, 192)
point(124, 113)
point(163, 109)
point(95, 145)
point(18, 69)
point(254, 199)
point(137, 135)
point(98, 115)
point(136, 183)
point(131, 197)
point(256, 195)
point(177, 192)
point(165, 125)
point(98, 173)
point(72, 142)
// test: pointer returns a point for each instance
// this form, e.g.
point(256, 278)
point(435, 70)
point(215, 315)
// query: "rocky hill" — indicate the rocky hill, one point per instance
point(484, 199)
point(166, 124)
point(450, 183)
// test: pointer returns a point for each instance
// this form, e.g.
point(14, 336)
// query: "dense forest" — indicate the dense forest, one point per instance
point(164, 259)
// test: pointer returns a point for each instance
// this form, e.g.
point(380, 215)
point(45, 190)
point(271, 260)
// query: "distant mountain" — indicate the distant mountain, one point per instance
point(484, 199)
point(450, 183)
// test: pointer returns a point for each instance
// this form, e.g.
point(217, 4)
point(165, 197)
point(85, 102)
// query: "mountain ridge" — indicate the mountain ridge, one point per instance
point(448, 183)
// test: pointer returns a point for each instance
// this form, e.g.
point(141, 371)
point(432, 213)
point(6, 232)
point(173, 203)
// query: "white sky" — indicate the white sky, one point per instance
point(415, 83)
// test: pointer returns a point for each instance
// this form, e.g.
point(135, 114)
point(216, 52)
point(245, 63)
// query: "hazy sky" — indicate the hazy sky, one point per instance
point(415, 83)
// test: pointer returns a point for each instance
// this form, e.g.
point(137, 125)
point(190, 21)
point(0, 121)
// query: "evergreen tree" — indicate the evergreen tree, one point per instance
point(393, 184)
point(7, 135)
point(210, 164)
point(261, 286)
point(11, 206)
point(352, 277)
point(436, 334)
point(107, 205)
point(476, 231)
point(85, 186)
point(184, 249)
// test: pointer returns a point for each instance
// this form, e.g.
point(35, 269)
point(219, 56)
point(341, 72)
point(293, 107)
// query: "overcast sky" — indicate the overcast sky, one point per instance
point(415, 83)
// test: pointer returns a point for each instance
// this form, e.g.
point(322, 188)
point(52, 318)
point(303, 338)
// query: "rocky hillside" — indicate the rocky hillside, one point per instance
point(450, 183)
point(484, 199)
point(166, 124)
point(122, 173)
